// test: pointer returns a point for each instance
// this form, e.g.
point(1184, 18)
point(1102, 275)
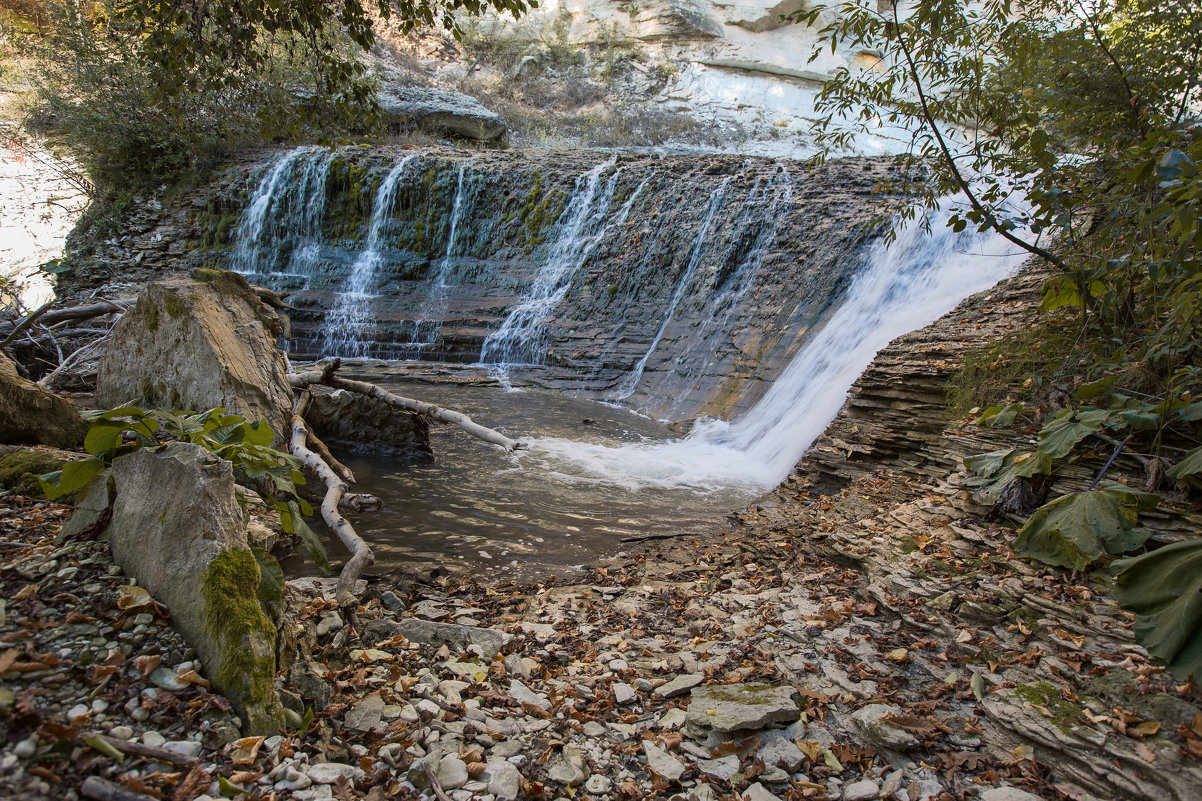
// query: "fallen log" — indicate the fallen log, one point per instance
point(325, 375)
point(27, 321)
point(336, 488)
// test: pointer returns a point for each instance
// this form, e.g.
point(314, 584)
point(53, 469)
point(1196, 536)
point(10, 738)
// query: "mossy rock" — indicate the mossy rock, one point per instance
point(236, 622)
point(20, 469)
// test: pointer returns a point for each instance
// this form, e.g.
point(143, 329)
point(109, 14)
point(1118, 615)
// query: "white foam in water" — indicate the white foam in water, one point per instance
point(903, 287)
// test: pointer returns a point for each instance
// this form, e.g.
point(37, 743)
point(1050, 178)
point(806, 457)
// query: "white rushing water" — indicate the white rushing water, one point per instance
point(349, 320)
point(426, 323)
point(579, 229)
point(903, 286)
point(626, 388)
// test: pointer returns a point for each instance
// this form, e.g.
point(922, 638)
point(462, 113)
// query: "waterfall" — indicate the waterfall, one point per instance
point(283, 218)
point(903, 286)
point(577, 231)
point(426, 324)
point(626, 387)
point(351, 317)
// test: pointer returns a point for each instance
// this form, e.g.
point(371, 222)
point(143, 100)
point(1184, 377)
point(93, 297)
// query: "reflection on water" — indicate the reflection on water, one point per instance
point(477, 508)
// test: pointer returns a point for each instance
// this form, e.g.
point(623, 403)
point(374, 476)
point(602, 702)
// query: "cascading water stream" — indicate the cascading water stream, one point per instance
point(632, 378)
point(579, 229)
point(350, 319)
point(903, 286)
point(426, 323)
point(283, 205)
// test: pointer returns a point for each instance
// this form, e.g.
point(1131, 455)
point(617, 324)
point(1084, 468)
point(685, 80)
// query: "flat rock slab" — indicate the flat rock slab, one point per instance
point(452, 635)
point(679, 685)
point(732, 707)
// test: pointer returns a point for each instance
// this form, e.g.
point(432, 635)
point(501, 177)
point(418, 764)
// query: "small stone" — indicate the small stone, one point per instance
point(661, 763)
point(409, 714)
point(188, 748)
point(618, 665)
point(597, 784)
point(721, 769)
point(452, 773)
point(328, 772)
point(121, 733)
point(504, 780)
point(524, 695)
point(26, 748)
point(366, 715)
point(778, 750)
point(167, 680)
point(153, 739)
point(392, 602)
point(624, 693)
point(1007, 793)
point(78, 714)
point(870, 720)
point(594, 729)
point(329, 623)
point(865, 790)
point(679, 685)
point(757, 792)
point(674, 718)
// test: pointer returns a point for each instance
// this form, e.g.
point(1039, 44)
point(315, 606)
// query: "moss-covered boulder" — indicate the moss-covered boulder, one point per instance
point(199, 342)
point(177, 527)
point(31, 414)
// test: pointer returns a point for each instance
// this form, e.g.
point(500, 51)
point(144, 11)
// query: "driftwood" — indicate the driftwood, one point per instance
point(134, 748)
point(47, 380)
point(105, 790)
point(29, 320)
point(325, 375)
point(336, 488)
point(52, 316)
point(338, 467)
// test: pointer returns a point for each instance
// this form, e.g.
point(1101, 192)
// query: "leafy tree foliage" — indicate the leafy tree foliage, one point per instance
point(147, 90)
point(1088, 109)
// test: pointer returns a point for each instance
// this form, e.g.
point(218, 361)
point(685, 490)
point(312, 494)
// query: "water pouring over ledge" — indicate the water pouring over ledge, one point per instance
point(903, 286)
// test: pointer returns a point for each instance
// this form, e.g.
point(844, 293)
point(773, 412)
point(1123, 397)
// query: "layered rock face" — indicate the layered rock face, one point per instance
point(682, 283)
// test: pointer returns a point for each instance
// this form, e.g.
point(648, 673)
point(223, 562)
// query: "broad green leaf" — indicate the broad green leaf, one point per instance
point(1164, 589)
point(134, 412)
point(74, 476)
point(258, 433)
point(1192, 413)
point(1075, 530)
point(1000, 416)
point(1059, 436)
point(1190, 465)
point(1140, 421)
point(271, 577)
point(104, 435)
point(1096, 389)
point(988, 464)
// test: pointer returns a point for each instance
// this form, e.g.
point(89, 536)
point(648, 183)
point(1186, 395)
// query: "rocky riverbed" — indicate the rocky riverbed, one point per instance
point(880, 643)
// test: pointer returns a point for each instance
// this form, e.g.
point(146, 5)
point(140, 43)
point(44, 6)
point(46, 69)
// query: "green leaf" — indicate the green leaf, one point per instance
point(1059, 436)
point(1190, 465)
point(271, 576)
point(1164, 589)
point(104, 435)
point(1141, 421)
point(1000, 416)
point(1075, 530)
point(74, 476)
point(257, 433)
point(1191, 413)
point(988, 464)
point(308, 536)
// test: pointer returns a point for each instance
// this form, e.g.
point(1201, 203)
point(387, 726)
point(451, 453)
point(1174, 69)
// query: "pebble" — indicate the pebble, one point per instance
point(452, 773)
point(167, 680)
point(865, 790)
point(26, 748)
point(1007, 793)
point(153, 739)
point(757, 792)
point(328, 772)
point(661, 762)
point(624, 693)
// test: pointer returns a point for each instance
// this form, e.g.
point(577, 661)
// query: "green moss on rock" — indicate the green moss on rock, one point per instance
point(245, 637)
point(19, 470)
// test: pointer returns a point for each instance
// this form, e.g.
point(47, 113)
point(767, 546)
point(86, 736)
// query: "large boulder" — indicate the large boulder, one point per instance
point(439, 112)
point(196, 343)
point(29, 413)
point(177, 527)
